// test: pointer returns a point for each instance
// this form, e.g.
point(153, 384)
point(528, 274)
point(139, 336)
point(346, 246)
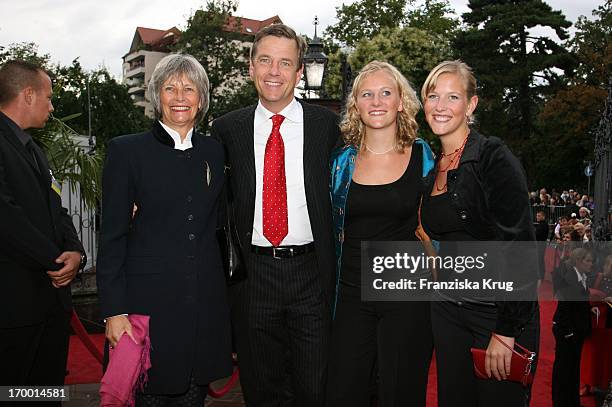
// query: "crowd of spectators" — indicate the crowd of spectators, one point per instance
point(562, 222)
point(564, 216)
point(571, 199)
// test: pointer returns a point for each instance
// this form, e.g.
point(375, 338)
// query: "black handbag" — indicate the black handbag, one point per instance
point(229, 242)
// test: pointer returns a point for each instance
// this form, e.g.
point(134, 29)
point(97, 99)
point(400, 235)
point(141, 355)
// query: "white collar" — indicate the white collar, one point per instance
point(292, 112)
point(178, 144)
point(582, 278)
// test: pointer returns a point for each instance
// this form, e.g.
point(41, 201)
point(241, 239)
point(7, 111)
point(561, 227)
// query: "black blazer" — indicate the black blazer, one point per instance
point(321, 134)
point(488, 191)
point(164, 260)
point(34, 231)
point(573, 313)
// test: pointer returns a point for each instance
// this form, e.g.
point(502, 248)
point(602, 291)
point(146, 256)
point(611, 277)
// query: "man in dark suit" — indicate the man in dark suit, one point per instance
point(571, 325)
point(278, 152)
point(40, 252)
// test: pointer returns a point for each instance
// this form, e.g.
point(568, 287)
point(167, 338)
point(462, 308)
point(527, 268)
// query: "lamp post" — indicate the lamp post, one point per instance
point(315, 62)
point(347, 77)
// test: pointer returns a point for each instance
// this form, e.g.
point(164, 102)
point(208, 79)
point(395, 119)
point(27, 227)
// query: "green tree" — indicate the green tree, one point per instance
point(414, 33)
point(223, 54)
point(70, 161)
point(365, 19)
point(570, 116)
point(435, 17)
point(516, 67)
point(592, 45)
point(413, 51)
point(113, 112)
point(26, 51)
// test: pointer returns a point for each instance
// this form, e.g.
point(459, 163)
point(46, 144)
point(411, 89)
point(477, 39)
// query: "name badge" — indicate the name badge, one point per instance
point(56, 186)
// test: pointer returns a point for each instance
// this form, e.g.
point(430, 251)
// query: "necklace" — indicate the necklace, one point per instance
point(378, 153)
point(458, 149)
point(458, 152)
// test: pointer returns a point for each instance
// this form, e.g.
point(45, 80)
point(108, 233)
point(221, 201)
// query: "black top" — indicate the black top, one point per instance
point(384, 212)
point(489, 193)
point(445, 225)
point(442, 221)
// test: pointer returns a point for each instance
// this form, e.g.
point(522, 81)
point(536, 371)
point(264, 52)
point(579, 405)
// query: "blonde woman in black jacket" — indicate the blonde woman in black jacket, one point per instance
point(477, 192)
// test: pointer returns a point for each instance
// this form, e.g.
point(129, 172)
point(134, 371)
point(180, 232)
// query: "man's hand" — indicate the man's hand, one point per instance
point(63, 276)
point(116, 326)
point(498, 357)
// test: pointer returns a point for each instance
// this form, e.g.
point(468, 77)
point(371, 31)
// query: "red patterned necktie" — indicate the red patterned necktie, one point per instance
point(275, 224)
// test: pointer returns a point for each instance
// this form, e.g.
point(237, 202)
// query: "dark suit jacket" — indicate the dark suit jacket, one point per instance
point(34, 231)
point(165, 262)
point(321, 134)
point(573, 309)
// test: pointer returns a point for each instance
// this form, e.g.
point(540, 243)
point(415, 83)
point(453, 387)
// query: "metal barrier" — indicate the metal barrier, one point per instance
point(552, 213)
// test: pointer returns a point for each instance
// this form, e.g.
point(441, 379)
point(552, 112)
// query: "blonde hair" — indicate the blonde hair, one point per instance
point(457, 67)
point(353, 129)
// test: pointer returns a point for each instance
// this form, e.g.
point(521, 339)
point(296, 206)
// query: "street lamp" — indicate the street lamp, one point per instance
point(315, 62)
point(347, 77)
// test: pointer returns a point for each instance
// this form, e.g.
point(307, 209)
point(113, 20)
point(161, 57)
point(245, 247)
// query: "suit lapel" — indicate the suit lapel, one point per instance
point(12, 138)
point(311, 146)
point(244, 141)
point(45, 175)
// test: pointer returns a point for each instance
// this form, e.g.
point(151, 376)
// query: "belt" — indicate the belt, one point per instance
point(283, 252)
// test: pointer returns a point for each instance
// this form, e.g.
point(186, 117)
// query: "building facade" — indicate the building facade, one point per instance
point(150, 45)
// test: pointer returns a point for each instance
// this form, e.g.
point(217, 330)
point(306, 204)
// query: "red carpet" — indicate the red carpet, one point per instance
point(84, 368)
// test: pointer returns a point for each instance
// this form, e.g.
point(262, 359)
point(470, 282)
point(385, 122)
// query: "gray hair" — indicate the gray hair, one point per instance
point(175, 65)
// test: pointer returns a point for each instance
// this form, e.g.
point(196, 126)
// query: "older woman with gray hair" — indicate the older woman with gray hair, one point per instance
point(163, 260)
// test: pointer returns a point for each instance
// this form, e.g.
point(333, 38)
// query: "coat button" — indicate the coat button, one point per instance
point(188, 155)
point(455, 195)
point(191, 236)
point(190, 217)
point(189, 198)
point(463, 215)
point(453, 176)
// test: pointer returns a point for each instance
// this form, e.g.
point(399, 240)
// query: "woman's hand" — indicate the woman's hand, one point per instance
point(498, 357)
point(116, 326)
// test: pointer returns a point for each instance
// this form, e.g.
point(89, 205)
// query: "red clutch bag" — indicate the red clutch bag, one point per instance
point(520, 365)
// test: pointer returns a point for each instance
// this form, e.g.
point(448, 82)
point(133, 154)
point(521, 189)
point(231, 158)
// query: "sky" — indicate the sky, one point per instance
point(99, 32)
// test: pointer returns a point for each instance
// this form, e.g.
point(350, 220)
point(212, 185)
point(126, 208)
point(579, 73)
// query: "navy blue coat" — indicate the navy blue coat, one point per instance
point(164, 261)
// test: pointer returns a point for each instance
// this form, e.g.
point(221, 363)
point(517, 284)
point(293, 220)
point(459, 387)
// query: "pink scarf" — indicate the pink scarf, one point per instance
point(128, 364)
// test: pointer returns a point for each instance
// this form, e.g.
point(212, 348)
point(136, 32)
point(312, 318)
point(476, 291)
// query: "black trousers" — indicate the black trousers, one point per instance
point(36, 355)
point(281, 329)
point(566, 369)
point(456, 329)
point(385, 342)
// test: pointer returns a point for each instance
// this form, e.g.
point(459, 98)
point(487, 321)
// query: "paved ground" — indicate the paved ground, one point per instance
point(86, 395)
